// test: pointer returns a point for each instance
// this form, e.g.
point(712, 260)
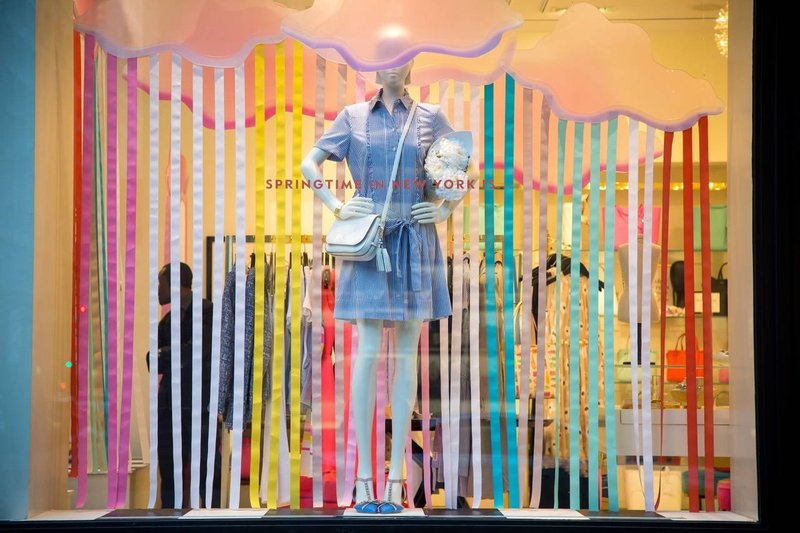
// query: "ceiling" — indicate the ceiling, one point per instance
point(630, 10)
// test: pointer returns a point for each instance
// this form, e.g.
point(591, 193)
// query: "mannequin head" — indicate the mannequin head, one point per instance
point(395, 79)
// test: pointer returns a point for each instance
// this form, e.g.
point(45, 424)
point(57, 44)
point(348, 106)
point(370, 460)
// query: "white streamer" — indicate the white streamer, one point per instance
point(647, 420)
point(197, 290)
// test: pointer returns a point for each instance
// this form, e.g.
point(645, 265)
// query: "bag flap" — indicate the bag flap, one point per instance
point(352, 231)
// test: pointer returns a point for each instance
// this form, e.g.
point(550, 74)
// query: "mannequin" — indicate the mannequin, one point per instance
point(624, 300)
point(366, 135)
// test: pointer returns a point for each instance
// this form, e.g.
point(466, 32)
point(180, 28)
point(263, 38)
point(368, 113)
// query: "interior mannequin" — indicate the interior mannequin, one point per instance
point(415, 290)
point(624, 300)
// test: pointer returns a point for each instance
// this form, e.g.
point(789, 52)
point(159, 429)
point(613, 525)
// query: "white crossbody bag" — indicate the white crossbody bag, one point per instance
point(361, 238)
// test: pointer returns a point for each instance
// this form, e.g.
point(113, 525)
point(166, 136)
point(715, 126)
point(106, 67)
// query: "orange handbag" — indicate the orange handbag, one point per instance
point(677, 358)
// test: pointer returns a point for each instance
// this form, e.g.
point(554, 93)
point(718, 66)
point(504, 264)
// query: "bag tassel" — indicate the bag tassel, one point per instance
point(382, 261)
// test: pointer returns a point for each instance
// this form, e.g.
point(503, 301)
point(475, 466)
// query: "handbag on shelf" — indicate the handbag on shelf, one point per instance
point(720, 285)
point(677, 358)
point(361, 238)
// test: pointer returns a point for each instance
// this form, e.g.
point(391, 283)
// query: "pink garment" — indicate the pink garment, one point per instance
point(621, 224)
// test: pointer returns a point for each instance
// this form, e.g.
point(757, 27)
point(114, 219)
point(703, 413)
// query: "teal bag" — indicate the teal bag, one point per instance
point(718, 216)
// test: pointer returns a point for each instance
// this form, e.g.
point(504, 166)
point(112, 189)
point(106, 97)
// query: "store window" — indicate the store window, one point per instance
point(544, 321)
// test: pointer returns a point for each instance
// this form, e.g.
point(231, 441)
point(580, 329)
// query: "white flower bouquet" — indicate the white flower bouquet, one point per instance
point(446, 165)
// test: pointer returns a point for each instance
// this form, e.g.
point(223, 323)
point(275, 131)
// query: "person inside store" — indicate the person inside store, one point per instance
point(368, 135)
point(165, 426)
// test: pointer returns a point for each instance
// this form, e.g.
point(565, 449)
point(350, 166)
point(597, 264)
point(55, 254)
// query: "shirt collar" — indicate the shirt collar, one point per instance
point(405, 99)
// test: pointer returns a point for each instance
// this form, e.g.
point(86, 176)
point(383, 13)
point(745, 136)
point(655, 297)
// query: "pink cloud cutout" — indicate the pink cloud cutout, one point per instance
point(372, 36)
point(592, 70)
point(215, 33)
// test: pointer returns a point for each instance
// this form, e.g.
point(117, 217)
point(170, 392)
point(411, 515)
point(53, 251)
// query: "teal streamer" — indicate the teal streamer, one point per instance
point(608, 318)
point(562, 135)
point(102, 267)
point(491, 303)
point(594, 339)
point(574, 323)
point(508, 296)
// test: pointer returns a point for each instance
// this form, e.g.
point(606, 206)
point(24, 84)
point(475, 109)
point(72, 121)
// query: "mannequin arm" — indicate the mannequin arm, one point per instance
point(311, 168)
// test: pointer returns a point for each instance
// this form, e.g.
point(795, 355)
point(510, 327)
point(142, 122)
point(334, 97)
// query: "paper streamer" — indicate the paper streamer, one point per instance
point(81, 456)
point(218, 275)
point(562, 134)
point(691, 354)
point(574, 325)
point(491, 304)
point(153, 277)
point(475, 307)
point(708, 344)
point(525, 297)
point(541, 311)
point(647, 243)
point(258, 301)
point(130, 286)
point(297, 271)
point(316, 304)
point(111, 260)
point(593, 326)
point(665, 189)
point(508, 296)
point(633, 285)
point(458, 304)
point(350, 346)
point(175, 277)
point(280, 272)
point(197, 289)
point(240, 268)
point(77, 190)
point(608, 318)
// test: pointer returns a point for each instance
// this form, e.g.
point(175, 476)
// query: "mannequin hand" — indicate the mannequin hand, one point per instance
point(430, 213)
point(356, 207)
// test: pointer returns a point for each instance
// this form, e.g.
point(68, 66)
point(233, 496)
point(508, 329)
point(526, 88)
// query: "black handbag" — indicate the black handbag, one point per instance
point(720, 285)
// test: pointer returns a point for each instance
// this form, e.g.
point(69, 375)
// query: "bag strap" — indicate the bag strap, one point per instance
point(719, 274)
point(395, 167)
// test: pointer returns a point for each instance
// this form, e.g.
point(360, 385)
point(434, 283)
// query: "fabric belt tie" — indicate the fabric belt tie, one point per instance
point(410, 255)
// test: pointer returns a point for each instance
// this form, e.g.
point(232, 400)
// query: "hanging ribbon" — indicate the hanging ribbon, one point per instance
point(562, 142)
point(474, 307)
point(633, 286)
point(541, 311)
point(647, 243)
point(458, 305)
point(508, 296)
point(665, 188)
point(317, 398)
point(350, 344)
point(111, 254)
point(130, 285)
point(280, 272)
point(77, 190)
point(258, 264)
point(525, 297)
point(297, 270)
point(491, 303)
point(593, 326)
point(691, 354)
point(175, 277)
point(240, 267)
point(218, 275)
point(197, 289)
point(574, 323)
point(708, 345)
point(153, 277)
point(80, 454)
point(608, 324)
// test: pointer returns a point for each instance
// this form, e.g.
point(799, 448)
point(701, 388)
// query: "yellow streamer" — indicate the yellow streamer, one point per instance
point(280, 271)
point(297, 273)
point(258, 330)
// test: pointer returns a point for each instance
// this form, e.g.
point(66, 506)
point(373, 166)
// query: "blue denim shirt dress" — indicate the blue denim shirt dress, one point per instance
point(366, 136)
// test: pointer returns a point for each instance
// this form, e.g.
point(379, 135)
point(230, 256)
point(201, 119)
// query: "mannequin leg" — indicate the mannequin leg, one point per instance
point(362, 395)
point(404, 391)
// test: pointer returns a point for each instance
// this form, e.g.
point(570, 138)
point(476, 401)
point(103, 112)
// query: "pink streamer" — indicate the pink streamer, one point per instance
point(130, 283)
point(111, 279)
point(86, 221)
point(350, 468)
